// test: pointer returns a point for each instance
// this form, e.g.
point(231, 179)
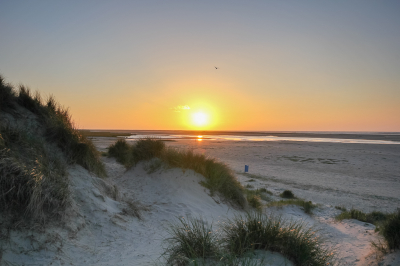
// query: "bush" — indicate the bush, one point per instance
point(287, 194)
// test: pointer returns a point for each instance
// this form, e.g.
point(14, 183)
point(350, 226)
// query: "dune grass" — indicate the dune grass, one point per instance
point(122, 152)
point(254, 197)
point(33, 178)
point(37, 142)
point(307, 206)
point(192, 242)
point(7, 96)
point(293, 240)
point(372, 217)
point(291, 199)
point(387, 224)
point(391, 230)
point(60, 130)
point(219, 178)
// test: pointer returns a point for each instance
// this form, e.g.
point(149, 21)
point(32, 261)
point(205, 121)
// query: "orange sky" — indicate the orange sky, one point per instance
point(282, 66)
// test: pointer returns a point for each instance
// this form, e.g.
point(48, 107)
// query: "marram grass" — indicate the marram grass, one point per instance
point(37, 141)
point(387, 224)
point(193, 242)
point(219, 177)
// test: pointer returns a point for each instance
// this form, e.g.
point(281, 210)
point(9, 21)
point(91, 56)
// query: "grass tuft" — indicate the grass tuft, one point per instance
point(192, 242)
point(308, 206)
point(190, 239)
point(121, 151)
point(287, 194)
point(293, 240)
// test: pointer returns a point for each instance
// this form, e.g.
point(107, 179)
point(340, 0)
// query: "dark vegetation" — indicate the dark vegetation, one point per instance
point(387, 224)
point(37, 142)
point(88, 133)
point(287, 194)
point(219, 178)
point(193, 240)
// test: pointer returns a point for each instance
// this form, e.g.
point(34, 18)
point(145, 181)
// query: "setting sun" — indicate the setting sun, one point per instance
point(200, 119)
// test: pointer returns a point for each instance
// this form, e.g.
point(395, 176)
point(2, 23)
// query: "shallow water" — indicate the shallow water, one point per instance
point(263, 138)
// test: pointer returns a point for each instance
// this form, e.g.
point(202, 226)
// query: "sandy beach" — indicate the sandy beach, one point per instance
point(100, 232)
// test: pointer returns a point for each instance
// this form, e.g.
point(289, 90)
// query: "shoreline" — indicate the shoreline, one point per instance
point(383, 136)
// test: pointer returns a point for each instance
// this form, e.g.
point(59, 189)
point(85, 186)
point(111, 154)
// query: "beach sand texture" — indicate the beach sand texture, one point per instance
point(100, 230)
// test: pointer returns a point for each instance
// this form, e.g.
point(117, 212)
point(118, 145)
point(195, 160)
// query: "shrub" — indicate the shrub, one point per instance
point(287, 194)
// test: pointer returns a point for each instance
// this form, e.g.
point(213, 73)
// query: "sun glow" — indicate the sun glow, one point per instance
point(200, 119)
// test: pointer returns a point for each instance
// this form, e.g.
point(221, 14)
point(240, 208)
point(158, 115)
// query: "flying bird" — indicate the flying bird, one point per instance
point(216, 67)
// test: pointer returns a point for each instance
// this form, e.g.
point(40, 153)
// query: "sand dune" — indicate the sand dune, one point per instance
point(102, 229)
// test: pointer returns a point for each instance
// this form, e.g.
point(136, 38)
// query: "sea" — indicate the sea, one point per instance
point(303, 136)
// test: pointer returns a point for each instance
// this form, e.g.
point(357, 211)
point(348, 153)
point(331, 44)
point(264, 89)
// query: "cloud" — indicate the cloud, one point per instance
point(180, 107)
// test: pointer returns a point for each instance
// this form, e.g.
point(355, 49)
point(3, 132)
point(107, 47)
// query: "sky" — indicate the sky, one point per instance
point(210, 65)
